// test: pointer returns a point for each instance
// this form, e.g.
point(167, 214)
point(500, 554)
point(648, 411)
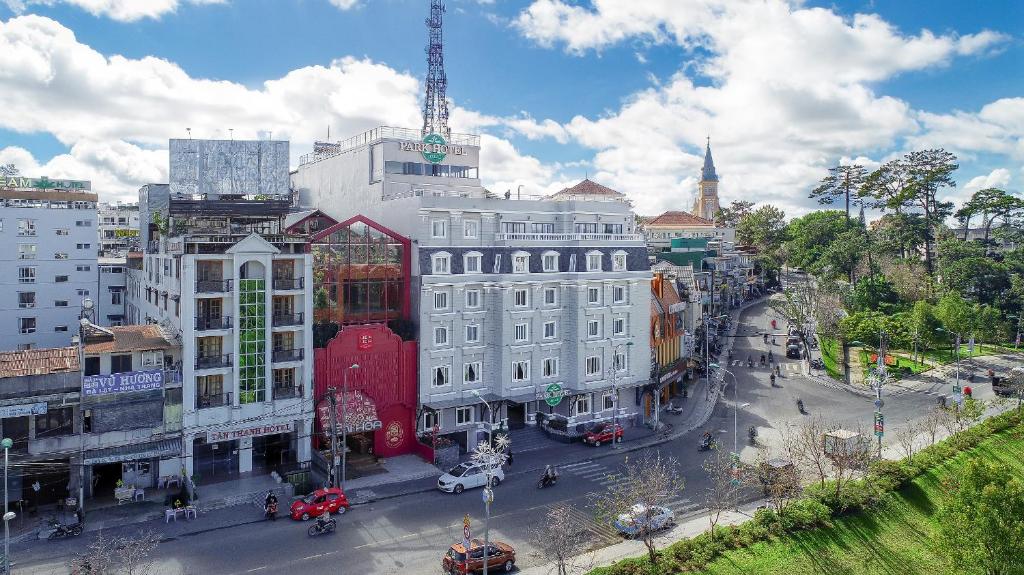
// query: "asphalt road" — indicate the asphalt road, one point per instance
point(409, 534)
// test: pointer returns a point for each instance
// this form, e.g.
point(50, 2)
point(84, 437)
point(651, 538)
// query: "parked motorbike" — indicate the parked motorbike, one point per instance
point(707, 443)
point(817, 363)
point(322, 527)
point(61, 530)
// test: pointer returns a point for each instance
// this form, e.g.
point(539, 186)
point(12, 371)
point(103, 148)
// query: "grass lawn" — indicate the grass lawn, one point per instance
point(832, 356)
point(947, 355)
point(893, 539)
point(901, 362)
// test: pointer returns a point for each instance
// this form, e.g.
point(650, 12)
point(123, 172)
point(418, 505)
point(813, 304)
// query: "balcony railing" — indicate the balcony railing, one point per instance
point(209, 323)
point(290, 392)
point(288, 283)
point(213, 361)
point(217, 400)
point(283, 320)
point(213, 286)
point(283, 355)
point(544, 237)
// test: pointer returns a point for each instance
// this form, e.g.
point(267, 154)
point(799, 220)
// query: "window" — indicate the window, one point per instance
point(464, 415)
point(92, 366)
point(618, 294)
point(440, 376)
point(439, 229)
point(514, 227)
point(83, 268)
point(608, 401)
point(60, 303)
point(84, 223)
point(26, 251)
point(83, 246)
point(27, 324)
point(521, 263)
point(431, 419)
point(440, 300)
point(594, 261)
point(522, 331)
point(619, 326)
point(60, 279)
point(521, 299)
point(472, 298)
point(586, 228)
point(26, 227)
point(520, 370)
point(471, 229)
point(580, 405)
point(55, 422)
point(550, 367)
point(593, 295)
point(115, 298)
point(60, 328)
point(619, 361)
point(26, 346)
point(471, 372)
point(611, 229)
point(544, 228)
point(549, 330)
point(121, 363)
point(83, 292)
point(550, 261)
point(26, 299)
point(619, 261)
point(593, 365)
point(441, 263)
point(472, 334)
point(593, 328)
point(497, 263)
point(153, 358)
point(440, 336)
point(550, 296)
point(472, 262)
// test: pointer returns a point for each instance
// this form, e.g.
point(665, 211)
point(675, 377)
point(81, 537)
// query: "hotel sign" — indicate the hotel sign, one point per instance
point(433, 147)
point(44, 183)
point(123, 382)
point(256, 431)
point(23, 410)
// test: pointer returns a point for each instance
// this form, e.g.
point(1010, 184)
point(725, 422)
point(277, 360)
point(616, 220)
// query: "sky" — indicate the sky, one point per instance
point(624, 92)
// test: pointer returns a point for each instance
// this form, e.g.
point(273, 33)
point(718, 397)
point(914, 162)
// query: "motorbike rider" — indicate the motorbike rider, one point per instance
point(762, 360)
point(752, 432)
point(323, 520)
point(771, 358)
point(773, 379)
point(800, 405)
point(270, 505)
point(750, 361)
point(550, 475)
point(766, 338)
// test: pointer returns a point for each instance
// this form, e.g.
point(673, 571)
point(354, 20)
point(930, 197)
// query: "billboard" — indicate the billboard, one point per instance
point(213, 168)
point(123, 382)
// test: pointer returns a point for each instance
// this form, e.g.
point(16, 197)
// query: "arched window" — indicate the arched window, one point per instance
point(521, 263)
point(441, 263)
point(619, 261)
point(594, 261)
point(472, 263)
point(549, 261)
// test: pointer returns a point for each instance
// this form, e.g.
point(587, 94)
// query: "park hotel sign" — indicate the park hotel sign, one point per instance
point(433, 147)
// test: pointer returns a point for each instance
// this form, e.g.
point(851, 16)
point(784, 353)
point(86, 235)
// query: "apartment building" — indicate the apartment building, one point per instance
point(220, 271)
point(49, 230)
point(117, 228)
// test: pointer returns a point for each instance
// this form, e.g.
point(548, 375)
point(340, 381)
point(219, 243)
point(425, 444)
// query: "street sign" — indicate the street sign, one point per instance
point(553, 394)
point(465, 531)
point(487, 496)
point(879, 404)
point(879, 424)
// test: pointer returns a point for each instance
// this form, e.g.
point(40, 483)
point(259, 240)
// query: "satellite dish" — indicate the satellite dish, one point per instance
point(87, 303)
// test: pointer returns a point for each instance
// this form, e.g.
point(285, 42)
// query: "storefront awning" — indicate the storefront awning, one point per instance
point(147, 450)
point(356, 414)
point(438, 405)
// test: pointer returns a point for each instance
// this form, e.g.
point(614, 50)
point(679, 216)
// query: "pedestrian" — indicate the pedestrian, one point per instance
point(508, 456)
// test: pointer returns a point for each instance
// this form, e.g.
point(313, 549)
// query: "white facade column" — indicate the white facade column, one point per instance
point(245, 455)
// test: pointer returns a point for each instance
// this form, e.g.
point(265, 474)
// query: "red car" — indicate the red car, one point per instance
point(320, 501)
point(603, 434)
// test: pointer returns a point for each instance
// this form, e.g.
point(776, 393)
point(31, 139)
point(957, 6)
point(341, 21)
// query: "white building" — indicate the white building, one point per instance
point(118, 228)
point(518, 298)
point(48, 230)
point(219, 271)
point(110, 294)
point(660, 230)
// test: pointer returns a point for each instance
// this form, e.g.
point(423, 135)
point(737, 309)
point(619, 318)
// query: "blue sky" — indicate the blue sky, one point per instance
point(620, 90)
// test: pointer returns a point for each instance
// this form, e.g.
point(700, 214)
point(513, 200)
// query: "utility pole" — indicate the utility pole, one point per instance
point(880, 373)
point(334, 434)
point(344, 422)
point(7, 444)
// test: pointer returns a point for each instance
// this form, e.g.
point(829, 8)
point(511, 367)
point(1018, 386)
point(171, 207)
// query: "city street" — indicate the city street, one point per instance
point(409, 534)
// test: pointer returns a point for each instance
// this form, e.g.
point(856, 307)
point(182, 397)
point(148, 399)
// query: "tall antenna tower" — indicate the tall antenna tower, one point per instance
point(435, 104)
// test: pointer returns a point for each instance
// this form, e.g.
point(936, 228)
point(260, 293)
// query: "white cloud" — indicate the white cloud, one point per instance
point(344, 4)
point(122, 10)
point(997, 178)
point(116, 113)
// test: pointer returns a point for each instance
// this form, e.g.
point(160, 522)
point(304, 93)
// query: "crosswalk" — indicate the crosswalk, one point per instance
point(606, 476)
point(790, 367)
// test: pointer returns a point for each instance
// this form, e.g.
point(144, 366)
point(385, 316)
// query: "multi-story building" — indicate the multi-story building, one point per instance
point(48, 228)
point(118, 228)
point(662, 229)
point(110, 292)
point(220, 271)
point(518, 300)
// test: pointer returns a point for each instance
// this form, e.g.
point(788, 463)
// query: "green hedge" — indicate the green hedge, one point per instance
point(816, 508)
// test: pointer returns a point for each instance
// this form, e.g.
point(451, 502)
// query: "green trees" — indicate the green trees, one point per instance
point(841, 181)
point(991, 204)
point(731, 216)
point(874, 292)
point(765, 228)
point(981, 522)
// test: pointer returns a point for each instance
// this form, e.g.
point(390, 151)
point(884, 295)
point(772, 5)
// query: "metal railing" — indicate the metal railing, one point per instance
point(287, 319)
point(573, 237)
point(283, 355)
point(288, 283)
point(287, 392)
point(217, 400)
point(381, 133)
point(213, 286)
point(209, 323)
point(213, 361)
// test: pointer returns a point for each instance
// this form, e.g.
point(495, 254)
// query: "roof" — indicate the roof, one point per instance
point(695, 259)
point(38, 361)
point(674, 218)
point(586, 188)
point(131, 338)
point(707, 173)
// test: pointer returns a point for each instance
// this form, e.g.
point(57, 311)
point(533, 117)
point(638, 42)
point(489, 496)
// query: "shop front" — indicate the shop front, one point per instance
point(223, 453)
point(138, 465)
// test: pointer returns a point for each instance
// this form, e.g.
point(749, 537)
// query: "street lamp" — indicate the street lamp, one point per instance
point(489, 467)
point(956, 386)
point(707, 350)
point(7, 443)
point(615, 391)
point(344, 422)
point(880, 379)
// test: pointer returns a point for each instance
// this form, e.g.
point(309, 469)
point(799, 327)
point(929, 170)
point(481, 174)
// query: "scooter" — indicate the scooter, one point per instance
point(750, 363)
point(270, 511)
point(547, 481)
point(676, 409)
point(707, 443)
point(772, 379)
point(60, 530)
point(800, 406)
point(322, 527)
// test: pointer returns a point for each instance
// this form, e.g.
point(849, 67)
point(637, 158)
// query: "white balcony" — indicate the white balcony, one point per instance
point(544, 237)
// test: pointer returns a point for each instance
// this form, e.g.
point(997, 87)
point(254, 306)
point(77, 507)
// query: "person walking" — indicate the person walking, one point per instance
point(508, 456)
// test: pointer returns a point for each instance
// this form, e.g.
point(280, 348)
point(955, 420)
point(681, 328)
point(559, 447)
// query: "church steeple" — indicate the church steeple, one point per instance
point(707, 174)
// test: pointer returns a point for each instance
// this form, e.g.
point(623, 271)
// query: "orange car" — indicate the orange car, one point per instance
point(500, 556)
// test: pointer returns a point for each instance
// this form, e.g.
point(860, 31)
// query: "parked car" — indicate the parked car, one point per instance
point(468, 475)
point(793, 351)
point(642, 518)
point(602, 434)
point(320, 501)
point(460, 560)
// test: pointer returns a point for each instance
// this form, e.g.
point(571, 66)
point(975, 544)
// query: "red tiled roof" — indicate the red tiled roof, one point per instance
point(38, 361)
point(131, 338)
point(679, 219)
point(587, 188)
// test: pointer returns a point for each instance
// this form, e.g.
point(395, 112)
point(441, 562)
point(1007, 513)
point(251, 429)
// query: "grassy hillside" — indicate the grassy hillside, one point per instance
point(893, 539)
